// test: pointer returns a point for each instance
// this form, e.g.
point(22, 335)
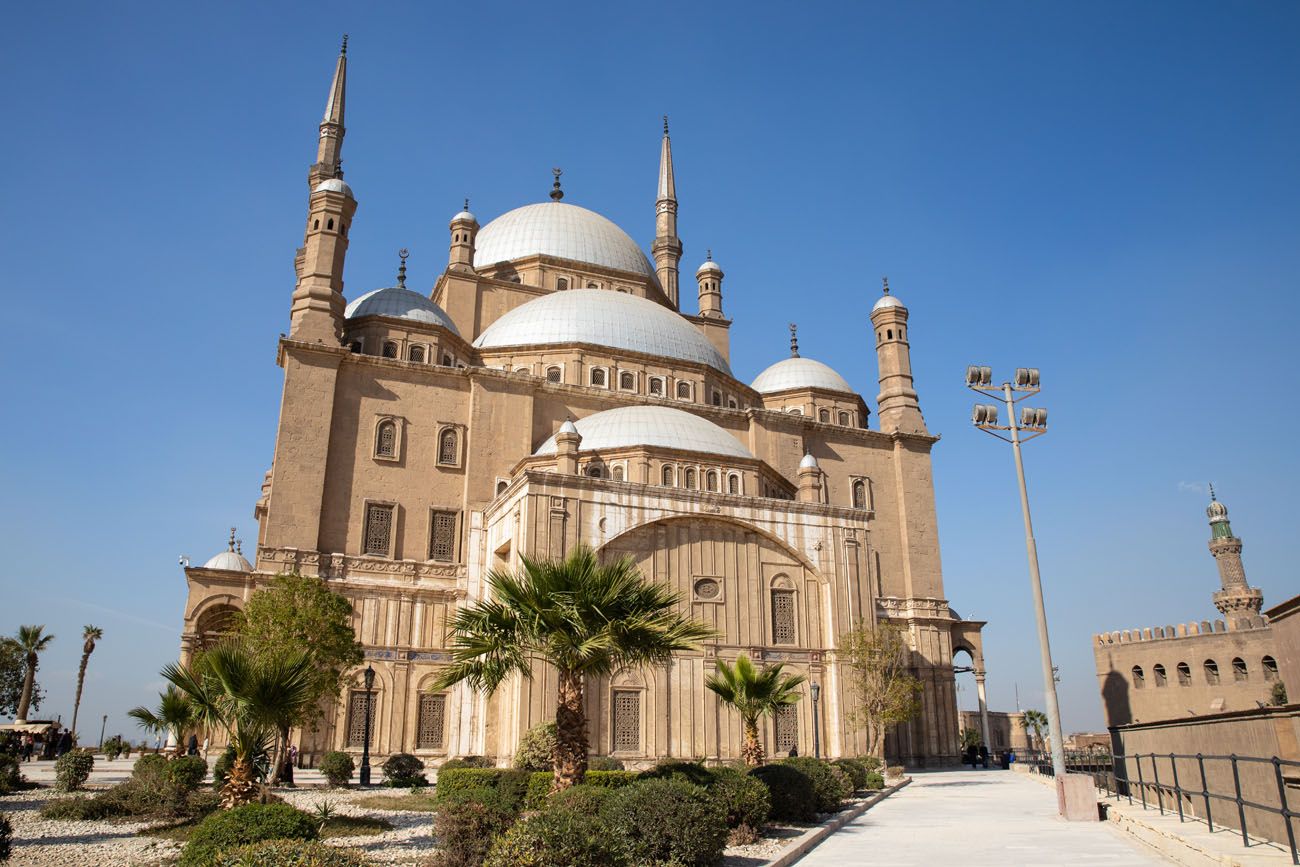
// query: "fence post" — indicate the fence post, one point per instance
point(1205, 793)
point(1241, 810)
point(1178, 790)
point(1155, 775)
point(1286, 809)
point(1142, 786)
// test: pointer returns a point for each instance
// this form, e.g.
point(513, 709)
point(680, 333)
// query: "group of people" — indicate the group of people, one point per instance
point(52, 744)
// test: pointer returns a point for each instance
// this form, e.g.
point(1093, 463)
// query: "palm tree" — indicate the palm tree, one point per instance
point(33, 641)
point(248, 696)
point(89, 635)
point(175, 716)
point(754, 693)
point(584, 618)
point(1033, 722)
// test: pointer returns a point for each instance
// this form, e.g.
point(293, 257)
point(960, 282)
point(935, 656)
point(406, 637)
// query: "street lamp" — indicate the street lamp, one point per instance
point(816, 689)
point(1034, 421)
point(102, 727)
point(365, 738)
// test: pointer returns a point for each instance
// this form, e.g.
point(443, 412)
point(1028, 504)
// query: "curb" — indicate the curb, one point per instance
point(810, 838)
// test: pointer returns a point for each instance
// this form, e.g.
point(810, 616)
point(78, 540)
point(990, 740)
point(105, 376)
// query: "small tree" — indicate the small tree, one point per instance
point(1034, 722)
point(33, 641)
point(970, 738)
point(89, 635)
point(1277, 696)
point(175, 716)
point(13, 675)
point(754, 693)
point(884, 693)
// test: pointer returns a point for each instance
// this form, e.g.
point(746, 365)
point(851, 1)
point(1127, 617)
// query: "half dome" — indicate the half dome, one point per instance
point(400, 303)
point(603, 317)
point(661, 426)
point(799, 373)
point(564, 231)
point(230, 561)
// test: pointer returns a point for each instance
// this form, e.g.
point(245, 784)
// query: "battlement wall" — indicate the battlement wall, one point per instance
point(1182, 630)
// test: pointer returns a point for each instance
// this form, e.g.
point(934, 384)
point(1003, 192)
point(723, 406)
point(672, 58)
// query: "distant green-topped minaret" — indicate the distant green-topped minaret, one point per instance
point(1237, 598)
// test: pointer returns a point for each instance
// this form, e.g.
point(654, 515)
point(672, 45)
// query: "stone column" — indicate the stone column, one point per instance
point(984, 709)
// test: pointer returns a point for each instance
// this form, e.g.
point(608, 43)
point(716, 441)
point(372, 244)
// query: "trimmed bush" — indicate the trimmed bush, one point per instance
point(744, 800)
point(337, 768)
point(468, 822)
point(667, 822)
point(287, 853)
point(77, 809)
point(6, 837)
point(251, 823)
point(894, 772)
point(512, 784)
point(73, 769)
point(468, 762)
point(692, 772)
point(871, 763)
point(536, 748)
point(586, 799)
point(875, 782)
point(829, 783)
point(559, 838)
point(403, 771)
point(11, 778)
point(791, 790)
point(149, 767)
point(187, 773)
point(539, 784)
point(604, 763)
point(854, 770)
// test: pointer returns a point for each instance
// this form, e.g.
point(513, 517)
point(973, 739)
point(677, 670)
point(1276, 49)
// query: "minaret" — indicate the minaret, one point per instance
point(1237, 598)
point(709, 276)
point(667, 248)
point(316, 314)
point(464, 230)
point(896, 404)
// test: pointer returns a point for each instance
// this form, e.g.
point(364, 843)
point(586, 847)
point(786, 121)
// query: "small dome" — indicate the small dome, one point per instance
point(561, 230)
point(799, 373)
point(335, 185)
point(1216, 510)
point(709, 265)
point(230, 561)
point(886, 301)
point(465, 216)
point(603, 317)
point(400, 303)
point(569, 427)
point(808, 463)
point(660, 426)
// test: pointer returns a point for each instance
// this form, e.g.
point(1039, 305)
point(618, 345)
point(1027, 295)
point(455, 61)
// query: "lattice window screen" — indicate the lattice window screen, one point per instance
point(442, 544)
point(431, 728)
point(783, 631)
point(447, 447)
point(552, 374)
point(598, 377)
point(786, 724)
point(357, 718)
point(416, 354)
point(379, 529)
point(387, 445)
point(389, 350)
point(683, 390)
point(627, 721)
point(626, 381)
point(656, 386)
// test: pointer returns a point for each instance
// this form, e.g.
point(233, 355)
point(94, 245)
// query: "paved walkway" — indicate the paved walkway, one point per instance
point(974, 818)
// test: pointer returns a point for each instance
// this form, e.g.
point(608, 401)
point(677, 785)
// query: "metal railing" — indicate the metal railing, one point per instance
point(1194, 793)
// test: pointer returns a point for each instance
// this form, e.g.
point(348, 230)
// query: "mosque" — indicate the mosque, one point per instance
point(550, 391)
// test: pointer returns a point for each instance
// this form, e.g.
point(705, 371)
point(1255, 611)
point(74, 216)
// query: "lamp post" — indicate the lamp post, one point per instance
point(102, 727)
point(985, 417)
point(365, 738)
point(816, 689)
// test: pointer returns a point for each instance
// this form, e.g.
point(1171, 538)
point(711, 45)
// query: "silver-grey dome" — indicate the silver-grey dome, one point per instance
point(562, 230)
point(661, 426)
point(886, 301)
point(400, 303)
point(603, 317)
point(336, 185)
point(799, 373)
point(229, 561)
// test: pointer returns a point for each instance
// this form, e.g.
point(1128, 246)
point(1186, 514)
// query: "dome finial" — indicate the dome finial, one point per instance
point(232, 539)
point(1212, 497)
point(467, 203)
point(556, 192)
point(708, 255)
point(794, 340)
point(239, 547)
point(344, 49)
point(885, 282)
point(665, 124)
point(401, 269)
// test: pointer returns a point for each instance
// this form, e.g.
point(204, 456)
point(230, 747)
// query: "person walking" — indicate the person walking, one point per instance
point(192, 746)
point(65, 743)
point(29, 746)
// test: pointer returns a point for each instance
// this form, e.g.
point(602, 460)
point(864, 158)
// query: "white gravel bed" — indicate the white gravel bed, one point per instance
point(410, 841)
point(41, 842)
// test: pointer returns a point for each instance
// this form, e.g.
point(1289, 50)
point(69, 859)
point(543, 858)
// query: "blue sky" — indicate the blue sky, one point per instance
point(1107, 191)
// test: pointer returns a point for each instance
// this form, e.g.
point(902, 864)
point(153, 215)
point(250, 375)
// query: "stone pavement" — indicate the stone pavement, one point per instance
point(972, 818)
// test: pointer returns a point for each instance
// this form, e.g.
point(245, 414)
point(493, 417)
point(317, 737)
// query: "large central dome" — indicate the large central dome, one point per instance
point(603, 317)
point(564, 231)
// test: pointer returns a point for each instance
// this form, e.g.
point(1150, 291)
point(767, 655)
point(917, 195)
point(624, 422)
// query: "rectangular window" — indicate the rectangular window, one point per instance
point(357, 718)
point(442, 540)
point(783, 631)
point(378, 530)
point(627, 721)
point(431, 726)
point(785, 723)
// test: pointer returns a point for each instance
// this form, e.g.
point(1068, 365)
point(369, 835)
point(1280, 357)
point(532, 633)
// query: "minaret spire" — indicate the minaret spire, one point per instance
point(667, 246)
point(329, 152)
point(794, 340)
point(1237, 598)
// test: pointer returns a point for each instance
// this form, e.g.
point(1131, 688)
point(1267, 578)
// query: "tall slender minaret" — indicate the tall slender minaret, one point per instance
point(316, 314)
point(896, 404)
point(667, 248)
point(1237, 598)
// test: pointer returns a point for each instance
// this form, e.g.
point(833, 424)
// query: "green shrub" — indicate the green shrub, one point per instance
point(791, 790)
point(894, 772)
point(667, 822)
point(150, 768)
point(403, 771)
point(337, 768)
point(287, 853)
point(559, 838)
point(251, 823)
point(113, 747)
point(467, 823)
point(871, 763)
point(512, 784)
point(604, 763)
point(585, 798)
point(77, 809)
point(73, 769)
point(11, 778)
point(6, 837)
point(187, 773)
point(829, 783)
point(536, 748)
point(743, 799)
point(539, 784)
point(692, 772)
point(221, 768)
point(875, 782)
point(854, 770)
point(468, 762)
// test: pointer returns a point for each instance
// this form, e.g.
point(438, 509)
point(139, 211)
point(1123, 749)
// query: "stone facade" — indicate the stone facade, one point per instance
point(414, 454)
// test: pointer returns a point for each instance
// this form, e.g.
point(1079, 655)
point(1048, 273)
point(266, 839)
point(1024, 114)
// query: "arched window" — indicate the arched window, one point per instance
point(1161, 678)
point(553, 374)
point(859, 494)
point(1139, 679)
point(618, 473)
point(330, 223)
point(667, 476)
point(711, 480)
point(416, 354)
point(824, 415)
point(733, 484)
point(689, 479)
point(562, 283)
point(657, 386)
point(783, 620)
point(593, 285)
point(717, 398)
point(522, 370)
point(889, 333)
point(1211, 672)
point(795, 411)
point(448, 447)
point(355, 346)
point(1270, 669)
point(315, 225)
point(1239, 672)
point(446, 360)
point(1184, 674)
point(845, 419)
point(501, 486)
point(684, 391)
point(731, 403)
point(627, 380)
point(386, 439)
point(390, 349)
point(598, 377)
point(595, 472)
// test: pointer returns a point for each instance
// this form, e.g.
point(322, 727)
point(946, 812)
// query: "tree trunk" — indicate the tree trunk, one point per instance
point(81, 681)
point(281, 754)
point(29, 681)
point(570, 733)
point(241, 784)
point(752, 751)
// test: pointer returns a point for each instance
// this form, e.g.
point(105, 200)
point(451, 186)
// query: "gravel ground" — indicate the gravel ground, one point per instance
point(46, 843)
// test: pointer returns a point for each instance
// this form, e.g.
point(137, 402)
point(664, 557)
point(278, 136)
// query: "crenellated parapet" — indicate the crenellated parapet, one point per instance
point(1182, 630)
